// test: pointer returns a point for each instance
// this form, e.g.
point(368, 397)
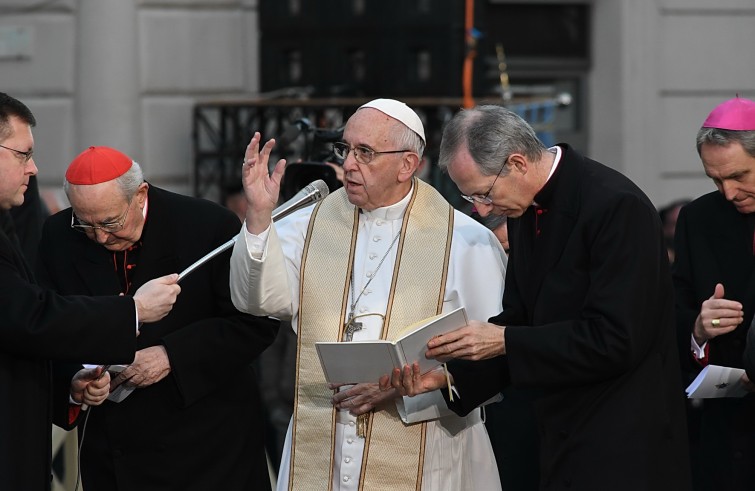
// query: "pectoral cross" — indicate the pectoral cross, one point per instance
point(351, 327)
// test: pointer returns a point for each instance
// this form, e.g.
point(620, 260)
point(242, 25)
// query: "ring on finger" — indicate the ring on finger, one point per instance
point(715, 322)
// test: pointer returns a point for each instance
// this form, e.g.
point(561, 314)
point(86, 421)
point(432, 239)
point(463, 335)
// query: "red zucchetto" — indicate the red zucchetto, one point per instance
point(96, 165)
point(735, 114)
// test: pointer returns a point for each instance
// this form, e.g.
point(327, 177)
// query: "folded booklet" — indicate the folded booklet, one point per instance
point(367, 361)
point(122, 391)
point(717, 381)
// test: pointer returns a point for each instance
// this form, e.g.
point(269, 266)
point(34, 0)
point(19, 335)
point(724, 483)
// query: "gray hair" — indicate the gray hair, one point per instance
point(128, 183)
point(722, 138)
point(491, 134)
point(405, 137)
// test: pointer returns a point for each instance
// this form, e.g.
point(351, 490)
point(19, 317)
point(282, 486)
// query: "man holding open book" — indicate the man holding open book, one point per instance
point(374, 257)
point(588, 316)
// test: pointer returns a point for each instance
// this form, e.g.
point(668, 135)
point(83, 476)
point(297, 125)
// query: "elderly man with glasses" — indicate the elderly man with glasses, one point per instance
point(195, 396)
point(587, 326)
point(382, 252)
point(37, 325)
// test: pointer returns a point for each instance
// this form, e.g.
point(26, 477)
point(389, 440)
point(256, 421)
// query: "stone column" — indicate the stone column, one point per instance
point(108, 106)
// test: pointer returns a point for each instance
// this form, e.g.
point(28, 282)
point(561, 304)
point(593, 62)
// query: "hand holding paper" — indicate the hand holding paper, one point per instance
point(90, 386)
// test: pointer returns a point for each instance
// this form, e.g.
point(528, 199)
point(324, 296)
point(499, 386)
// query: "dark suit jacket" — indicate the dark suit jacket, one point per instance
point(588, 307)
point(37, 325)
point(714, 245)
point(200, 427)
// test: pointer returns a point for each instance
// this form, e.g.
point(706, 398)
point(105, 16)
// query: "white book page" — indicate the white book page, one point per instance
point(717, 381)
point(413, 346)
point(356, 361)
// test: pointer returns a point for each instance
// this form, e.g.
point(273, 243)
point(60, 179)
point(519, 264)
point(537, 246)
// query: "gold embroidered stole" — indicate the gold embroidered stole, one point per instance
point(394, 452)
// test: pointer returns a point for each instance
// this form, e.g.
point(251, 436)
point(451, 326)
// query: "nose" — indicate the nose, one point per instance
point(483, 209)
point(350, 163)
point(100, 236)
point(729, 190)
point(31, 167)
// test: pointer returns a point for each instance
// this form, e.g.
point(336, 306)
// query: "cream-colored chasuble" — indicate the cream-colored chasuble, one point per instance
point(394, 452)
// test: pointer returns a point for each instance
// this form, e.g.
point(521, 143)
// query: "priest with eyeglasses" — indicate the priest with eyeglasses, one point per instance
point(194, 395)
point(375, 256)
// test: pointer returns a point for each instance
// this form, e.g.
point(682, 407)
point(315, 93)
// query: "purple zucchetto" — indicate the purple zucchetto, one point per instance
point(735, 114)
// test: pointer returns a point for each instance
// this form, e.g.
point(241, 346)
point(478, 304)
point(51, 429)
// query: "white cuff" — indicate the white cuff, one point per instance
point(255, 244)
point(697, 350)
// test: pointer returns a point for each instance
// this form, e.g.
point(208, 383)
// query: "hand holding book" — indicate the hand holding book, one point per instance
point(367, 361)
point(476, 341)
point(409, 380)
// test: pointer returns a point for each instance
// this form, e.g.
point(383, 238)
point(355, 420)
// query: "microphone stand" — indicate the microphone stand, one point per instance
point(311, 193)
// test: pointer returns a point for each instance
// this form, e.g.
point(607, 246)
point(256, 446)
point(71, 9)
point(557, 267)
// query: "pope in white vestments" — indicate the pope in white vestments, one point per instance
point(267, 279)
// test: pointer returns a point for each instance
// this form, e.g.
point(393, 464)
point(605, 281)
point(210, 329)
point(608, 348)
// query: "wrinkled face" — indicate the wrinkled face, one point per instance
point(387, 178)
point(103, 205)
point(733, 171)
point(15, 170)
point(510, 193)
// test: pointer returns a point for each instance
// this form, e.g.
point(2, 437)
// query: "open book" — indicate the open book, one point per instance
point(717, 381)
point(367, 361)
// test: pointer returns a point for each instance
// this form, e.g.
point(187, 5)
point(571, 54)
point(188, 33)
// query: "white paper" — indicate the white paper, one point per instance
point(355, 362)
point(717, 381)
point(413, 345)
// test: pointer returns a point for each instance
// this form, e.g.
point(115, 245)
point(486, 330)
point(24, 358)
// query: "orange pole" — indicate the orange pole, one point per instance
point(466, 82)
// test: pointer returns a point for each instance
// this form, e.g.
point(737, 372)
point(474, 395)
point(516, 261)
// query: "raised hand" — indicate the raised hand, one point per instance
point(260, 188)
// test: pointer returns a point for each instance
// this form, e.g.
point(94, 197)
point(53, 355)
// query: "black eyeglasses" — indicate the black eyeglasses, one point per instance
point(108, 227)
point(485, 199)
point(25, 156)
point(362, 153)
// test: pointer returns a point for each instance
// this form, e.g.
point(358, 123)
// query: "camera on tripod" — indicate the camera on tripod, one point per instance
point(318, 161)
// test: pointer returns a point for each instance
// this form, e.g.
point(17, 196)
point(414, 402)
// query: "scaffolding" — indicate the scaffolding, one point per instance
point(222, 130)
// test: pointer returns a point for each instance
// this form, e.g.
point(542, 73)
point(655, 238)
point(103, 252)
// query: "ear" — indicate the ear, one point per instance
point(518, 162)
point(409, 165)
point(141, 194)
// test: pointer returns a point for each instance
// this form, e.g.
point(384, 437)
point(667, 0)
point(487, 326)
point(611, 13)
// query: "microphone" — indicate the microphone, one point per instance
point(311, 193)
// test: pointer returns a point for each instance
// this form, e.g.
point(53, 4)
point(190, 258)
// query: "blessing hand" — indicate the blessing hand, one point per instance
point(260, 188)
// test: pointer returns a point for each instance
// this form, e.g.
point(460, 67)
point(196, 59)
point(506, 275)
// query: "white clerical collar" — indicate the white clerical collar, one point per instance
point(557, 150)
point(390, 212)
